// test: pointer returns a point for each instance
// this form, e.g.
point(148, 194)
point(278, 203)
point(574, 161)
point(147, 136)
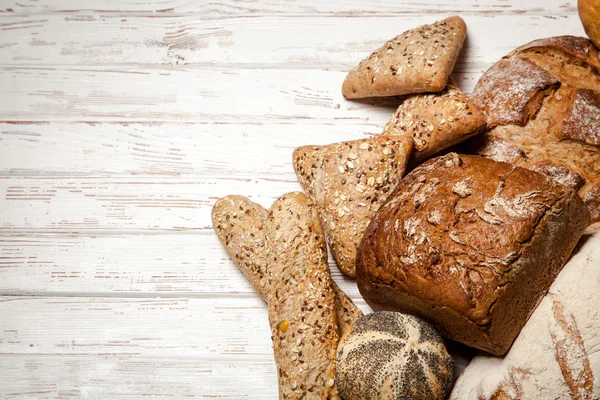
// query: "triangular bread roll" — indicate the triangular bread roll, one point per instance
point(436, 120)
point(416, 61)
point(348, 182)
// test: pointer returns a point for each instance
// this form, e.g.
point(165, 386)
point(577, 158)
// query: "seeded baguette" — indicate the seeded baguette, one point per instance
point(416, 61)
point(348, 182)
point(239, 224)
point(301, 300)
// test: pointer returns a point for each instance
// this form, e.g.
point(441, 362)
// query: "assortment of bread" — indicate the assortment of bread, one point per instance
point(467, 246)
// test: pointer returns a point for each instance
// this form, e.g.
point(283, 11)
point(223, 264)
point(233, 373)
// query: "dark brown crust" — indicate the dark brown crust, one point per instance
point(578, 49)
point(471, 245)
point(563, 131)
point(582, 120)
point(416, 61)
point(506, 100)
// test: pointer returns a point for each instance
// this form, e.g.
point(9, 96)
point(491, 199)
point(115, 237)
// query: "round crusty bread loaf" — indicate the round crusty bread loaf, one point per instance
point(388, 355)
point(589, 12)
point(542, 106)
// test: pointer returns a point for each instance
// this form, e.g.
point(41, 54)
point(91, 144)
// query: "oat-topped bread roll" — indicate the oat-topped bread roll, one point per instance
point(589, 13)
point(348, 181)
point(416, 61)
point(542, 103)
point(301, 301)
point(240, 226)
point(557, 354)
point(436, 120)
point(471, 245)
point(393, 356)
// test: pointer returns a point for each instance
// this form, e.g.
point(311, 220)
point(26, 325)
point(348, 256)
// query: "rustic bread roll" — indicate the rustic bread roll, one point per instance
point(239, 224)
point(436, 121)
point(393, 356)
point(301, 300)
point(589, 12)
point(417, 61)
point(542, 102)
point(348, 181)
point(471, 245)
point(557, 354)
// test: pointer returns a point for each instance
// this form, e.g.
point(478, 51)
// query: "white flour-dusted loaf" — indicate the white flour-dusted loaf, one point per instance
point(557, 354)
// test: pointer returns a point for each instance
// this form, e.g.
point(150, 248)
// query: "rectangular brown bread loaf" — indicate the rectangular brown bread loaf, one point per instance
point(470, 244)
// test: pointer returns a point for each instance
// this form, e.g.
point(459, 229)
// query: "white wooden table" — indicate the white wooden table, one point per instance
point(121, 122)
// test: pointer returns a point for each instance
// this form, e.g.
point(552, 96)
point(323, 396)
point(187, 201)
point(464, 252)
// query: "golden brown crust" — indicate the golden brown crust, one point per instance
point(301, 300)
point(348, 182)
point(416, 61)
point(436, 121)
point(564, 129)
point(589, 13)
point(239, 223)
point(471, 245)
point(506, 100)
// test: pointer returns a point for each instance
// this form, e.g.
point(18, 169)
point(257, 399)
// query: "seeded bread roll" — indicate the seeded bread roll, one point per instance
point(240, 223)
point(471, 245)
point(416, 61)
point(348, 181)
point(542, 103)
point(436, 121)
point(393, 356)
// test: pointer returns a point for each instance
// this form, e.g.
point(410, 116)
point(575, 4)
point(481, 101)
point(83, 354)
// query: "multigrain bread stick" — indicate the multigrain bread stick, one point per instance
point(239, 224)
point(301, 300)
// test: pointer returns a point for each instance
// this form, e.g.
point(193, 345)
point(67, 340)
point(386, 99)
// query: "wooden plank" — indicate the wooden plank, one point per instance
point(124, 203)
point(84, 39)
point(62, 377)
point(227, 150)
point(212, 328)
point(187, 94)
point(311, 7)
point(125, 265)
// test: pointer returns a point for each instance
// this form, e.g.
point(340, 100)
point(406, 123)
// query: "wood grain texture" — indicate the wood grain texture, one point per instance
point(180, 327)
point(122, 121)
point(127, 94)
point(173, 149)
point(113, 265)
point(124, 203)
point(117, 376)
point(310, 7)
point(248, 41)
